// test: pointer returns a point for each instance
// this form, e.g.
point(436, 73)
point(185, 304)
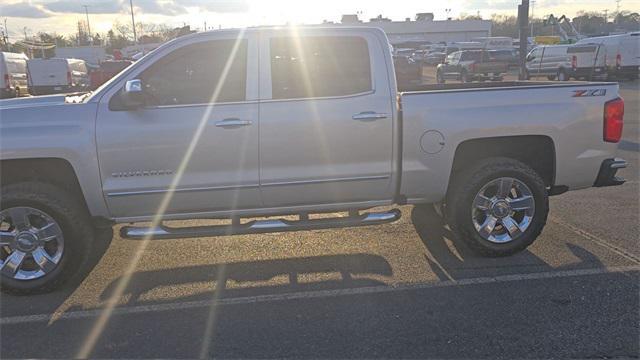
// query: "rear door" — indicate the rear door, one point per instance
point(326, 118)
point(48, 72)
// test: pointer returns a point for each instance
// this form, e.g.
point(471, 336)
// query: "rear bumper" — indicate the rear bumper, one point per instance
point(46, 90)
point(590, 72)
point(7, 93)
point(607, 174)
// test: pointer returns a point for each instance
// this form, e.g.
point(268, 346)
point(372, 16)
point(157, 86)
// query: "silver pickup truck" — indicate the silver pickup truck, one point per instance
point(267, 122)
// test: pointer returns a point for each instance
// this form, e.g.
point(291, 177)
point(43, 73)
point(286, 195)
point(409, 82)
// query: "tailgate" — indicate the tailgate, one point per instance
point(48, 74)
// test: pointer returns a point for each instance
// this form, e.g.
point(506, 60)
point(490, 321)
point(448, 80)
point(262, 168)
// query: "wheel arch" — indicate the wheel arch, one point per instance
point(536, 151)
point(56, 171)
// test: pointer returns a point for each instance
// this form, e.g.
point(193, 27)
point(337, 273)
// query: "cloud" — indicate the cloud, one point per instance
point(220, 6)
point(95, 6)
point(23, 10)
point(156, 7)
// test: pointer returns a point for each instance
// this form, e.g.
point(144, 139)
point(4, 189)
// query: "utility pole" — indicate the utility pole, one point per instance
point(6, 32)
point(523, 24)
point(86, 11)
point(618, 6)
point(133, 22)
point(606, 16)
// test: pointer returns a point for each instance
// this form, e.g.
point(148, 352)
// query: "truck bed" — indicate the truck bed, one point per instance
point(436, 119)
point(409, 88)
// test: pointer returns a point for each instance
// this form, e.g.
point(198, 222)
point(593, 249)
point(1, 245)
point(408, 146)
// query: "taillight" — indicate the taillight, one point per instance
point(7, 83)
point(574, 62)
point(618, 60)
point(613, 120)
point(69, 78)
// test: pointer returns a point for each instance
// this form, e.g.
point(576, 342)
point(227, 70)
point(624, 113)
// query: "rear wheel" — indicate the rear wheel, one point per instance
point(551, 77)
point(562, 75)
point(497, 207)
point(45, 237)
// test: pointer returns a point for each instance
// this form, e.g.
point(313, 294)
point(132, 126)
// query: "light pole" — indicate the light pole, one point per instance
point(533, 3)
point(86, 11)
point(133, 22)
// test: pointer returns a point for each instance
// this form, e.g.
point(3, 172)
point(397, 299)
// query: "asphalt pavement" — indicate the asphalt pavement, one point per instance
point(402, 290)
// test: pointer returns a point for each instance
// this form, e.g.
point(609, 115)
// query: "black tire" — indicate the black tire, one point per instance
point(562, 75)
point(463, 189)
point(74, 221)
point(551, 77)
point(464, 76)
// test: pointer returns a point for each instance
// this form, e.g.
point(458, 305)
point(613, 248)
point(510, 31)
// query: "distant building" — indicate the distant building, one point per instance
point(93, 55)
point(425, 29)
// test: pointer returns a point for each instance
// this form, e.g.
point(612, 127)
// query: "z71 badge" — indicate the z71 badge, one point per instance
point(585, 93)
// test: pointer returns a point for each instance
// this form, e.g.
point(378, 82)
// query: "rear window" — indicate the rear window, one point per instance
point(472, 55)
point(319, 67)
point(581, 49)
point(17, 66)
point(78, 66)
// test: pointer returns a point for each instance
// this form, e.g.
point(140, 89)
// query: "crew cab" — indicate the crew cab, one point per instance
point(269, 122)
point(470, 65)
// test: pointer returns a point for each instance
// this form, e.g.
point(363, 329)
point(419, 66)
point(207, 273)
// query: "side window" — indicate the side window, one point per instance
point(319, 67)
point(191, 74)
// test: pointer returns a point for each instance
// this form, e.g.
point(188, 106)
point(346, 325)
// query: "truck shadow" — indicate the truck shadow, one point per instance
point(257, 278)
point(452, 260)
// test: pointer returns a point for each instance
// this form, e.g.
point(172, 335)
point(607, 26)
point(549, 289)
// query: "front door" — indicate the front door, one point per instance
point(326, 119)
point(193, 148)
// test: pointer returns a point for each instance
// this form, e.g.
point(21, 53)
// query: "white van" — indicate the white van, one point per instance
point(13, 72)
point(622, 53)
point(495, 42)
point(588, 61)
point(55, 75)
point(550, 61)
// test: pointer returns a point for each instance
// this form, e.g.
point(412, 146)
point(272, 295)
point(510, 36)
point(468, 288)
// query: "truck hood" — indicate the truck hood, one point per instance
point(47, 100)
point(32, 101)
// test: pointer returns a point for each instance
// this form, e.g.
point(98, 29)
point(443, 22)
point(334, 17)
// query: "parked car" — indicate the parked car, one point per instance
point(57, 75)
point(408, 71)
point(106, 71)
point(550, 61)
point(509, 56)
point(435, 58)
point(203, 127)
point(622, 53)
point(420, 56)
point(470, 65)
point(13, 72)
point(588, 61)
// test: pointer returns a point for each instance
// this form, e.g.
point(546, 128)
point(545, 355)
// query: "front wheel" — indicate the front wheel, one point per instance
point(497, 207)
point(45, 237)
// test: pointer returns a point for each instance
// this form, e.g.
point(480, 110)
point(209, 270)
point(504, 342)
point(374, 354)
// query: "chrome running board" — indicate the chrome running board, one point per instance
point(259, 226)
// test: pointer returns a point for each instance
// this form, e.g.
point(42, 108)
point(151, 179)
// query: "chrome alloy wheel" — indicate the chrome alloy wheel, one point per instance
point(502, 210)
point(31, 243)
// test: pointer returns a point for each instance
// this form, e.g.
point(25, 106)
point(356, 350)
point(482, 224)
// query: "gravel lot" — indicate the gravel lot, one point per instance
point(397, 290)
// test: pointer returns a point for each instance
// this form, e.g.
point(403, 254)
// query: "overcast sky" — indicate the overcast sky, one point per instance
point(61, 16)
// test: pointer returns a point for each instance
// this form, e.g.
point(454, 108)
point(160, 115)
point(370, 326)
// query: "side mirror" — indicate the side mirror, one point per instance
point(132, 94)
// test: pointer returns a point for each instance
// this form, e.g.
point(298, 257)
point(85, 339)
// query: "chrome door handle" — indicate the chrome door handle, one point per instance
point(233, 122)
point(369, 115)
